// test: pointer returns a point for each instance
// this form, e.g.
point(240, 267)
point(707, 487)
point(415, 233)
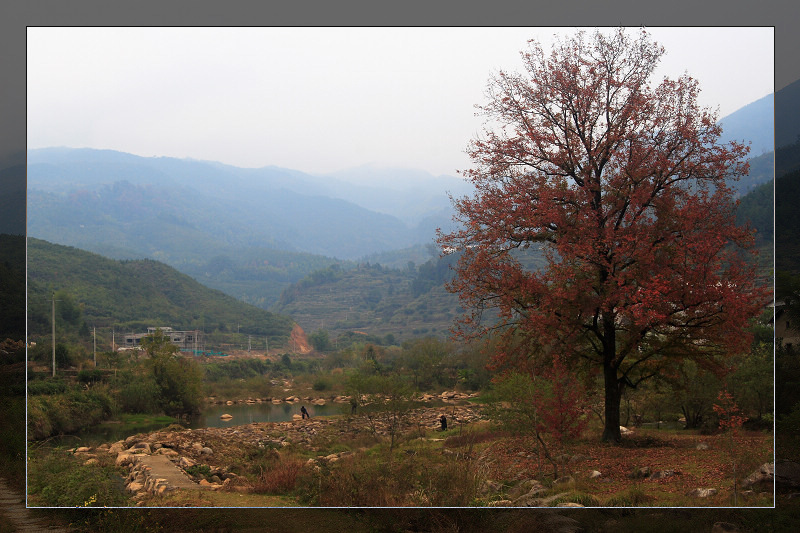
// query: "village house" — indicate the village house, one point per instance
point(186, 341)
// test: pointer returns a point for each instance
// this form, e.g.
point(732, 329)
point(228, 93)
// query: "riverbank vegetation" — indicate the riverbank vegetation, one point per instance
point(388, 458)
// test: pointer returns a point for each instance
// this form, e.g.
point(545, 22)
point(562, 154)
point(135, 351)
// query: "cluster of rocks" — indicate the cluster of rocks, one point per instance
point(645, 472)
point(162, 461)
point(447, 396)
point(531, 493)
point(279, 400)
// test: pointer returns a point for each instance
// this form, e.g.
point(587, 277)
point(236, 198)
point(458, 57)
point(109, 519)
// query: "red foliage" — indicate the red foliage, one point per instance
point(625, 190)
point(729, 414)
point(562, 410)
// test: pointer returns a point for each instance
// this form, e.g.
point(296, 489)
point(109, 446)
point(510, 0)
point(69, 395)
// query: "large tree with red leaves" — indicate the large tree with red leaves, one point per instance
point(624, 189)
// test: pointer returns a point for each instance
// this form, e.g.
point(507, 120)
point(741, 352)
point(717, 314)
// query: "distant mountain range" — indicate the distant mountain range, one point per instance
point(253, 232)
point(120, 204)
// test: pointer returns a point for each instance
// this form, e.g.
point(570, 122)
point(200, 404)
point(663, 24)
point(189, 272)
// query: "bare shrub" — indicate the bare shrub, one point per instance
point(279, 479)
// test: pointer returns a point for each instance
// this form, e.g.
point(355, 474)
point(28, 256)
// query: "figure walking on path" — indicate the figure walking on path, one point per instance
point(443, 420)
point(304, 413)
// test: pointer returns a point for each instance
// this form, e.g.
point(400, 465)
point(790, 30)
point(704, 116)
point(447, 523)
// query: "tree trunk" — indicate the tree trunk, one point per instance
point(611, 431)
point(613, 387)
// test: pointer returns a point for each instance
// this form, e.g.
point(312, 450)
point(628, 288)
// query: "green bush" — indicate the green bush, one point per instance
point(93, 375)
point(57, 479)
point(633, 497)
point(140, 394)
point(321, 385)
point(68, 412)
point(47, 386)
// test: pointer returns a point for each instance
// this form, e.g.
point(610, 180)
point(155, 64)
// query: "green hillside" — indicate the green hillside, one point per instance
point(395, 304)
point(94, 291)
point(372, 299)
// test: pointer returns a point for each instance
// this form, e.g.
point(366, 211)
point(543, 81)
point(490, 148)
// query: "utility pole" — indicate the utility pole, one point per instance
point(53, 323)
point(94, 345)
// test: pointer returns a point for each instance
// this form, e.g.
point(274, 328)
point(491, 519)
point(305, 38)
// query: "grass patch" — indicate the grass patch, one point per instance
point(59, 479)
point(632, 497)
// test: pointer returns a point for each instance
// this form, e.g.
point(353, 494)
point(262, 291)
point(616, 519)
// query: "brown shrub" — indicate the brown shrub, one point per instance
point(280, 478)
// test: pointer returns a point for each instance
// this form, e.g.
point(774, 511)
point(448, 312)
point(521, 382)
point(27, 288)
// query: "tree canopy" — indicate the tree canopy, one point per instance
point(625, 189)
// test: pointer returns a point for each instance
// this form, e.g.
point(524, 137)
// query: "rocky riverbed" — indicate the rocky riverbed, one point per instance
point(170, 459)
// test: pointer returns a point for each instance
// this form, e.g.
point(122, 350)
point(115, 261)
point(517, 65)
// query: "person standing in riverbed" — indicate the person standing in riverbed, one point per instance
point(304, 413)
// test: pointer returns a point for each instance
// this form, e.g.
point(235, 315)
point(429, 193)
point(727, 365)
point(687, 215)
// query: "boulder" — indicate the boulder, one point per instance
point(166, 451)
point(703, 493)
point(490, 487)
point(765, 475)
point(663, 474)
point(125, 459)
point(524, 488)
point(116, 448)
point(594, 474)
point(140, 447)
point(225, 416)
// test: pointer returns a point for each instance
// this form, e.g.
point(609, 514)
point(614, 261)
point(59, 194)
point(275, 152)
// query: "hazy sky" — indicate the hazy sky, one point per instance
point(319, 99)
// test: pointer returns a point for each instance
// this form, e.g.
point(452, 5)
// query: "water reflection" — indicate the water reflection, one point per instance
point(242, 414)
point(258, 412)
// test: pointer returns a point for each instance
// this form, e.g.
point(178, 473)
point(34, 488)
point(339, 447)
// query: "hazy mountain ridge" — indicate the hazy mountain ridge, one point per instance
point(752, 123)
point(253, 232)
point(273, 207)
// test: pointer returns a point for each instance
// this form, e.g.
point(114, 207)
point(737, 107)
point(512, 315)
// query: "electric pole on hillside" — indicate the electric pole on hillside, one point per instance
point(53, 324)
point(94, 345)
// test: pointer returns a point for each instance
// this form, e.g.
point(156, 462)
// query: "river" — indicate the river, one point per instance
point(210, 417)
point(260, 412)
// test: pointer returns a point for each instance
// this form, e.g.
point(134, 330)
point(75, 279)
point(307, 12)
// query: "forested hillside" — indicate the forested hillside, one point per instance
point(374, 300)
point(94, 291)
point(398, 303)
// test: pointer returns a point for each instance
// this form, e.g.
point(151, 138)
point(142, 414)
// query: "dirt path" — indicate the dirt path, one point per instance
point(14, 513)
point(161, 468)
